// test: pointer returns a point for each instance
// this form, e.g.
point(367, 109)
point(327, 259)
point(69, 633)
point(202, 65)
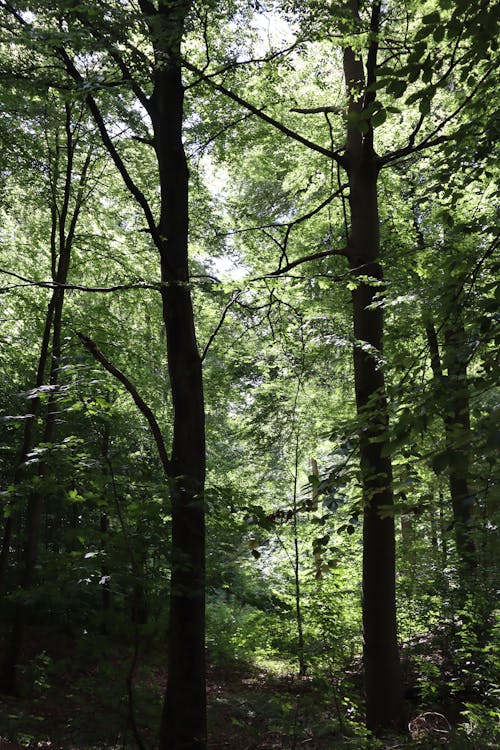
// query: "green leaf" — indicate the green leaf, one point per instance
point(379, 118)
point(439, 33)
point(397, 88)
point(415, 96)
point(414, 73)
point(454, 28)
point(427, 75)
point(416, 56)
point(432, 18)
point(440, 462)
point(425, 106)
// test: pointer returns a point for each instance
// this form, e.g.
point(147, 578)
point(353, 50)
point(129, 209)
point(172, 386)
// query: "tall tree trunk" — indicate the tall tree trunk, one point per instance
point(183, 723)
point(104, 529)
point(296, 565)
point(383, 680)
point(455, 398)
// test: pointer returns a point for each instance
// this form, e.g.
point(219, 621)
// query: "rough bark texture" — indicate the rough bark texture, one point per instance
point(383, 682)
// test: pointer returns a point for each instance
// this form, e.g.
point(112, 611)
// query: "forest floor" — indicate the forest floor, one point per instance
point(74, 696)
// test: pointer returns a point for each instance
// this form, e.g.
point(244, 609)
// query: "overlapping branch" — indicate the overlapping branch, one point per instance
point(98, 355)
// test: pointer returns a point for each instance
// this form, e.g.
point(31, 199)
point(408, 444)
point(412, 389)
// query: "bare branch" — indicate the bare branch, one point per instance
point(128, 77)
point(108, 143)
point(223, 130)
point(318, 208)
point(92, 347)
point(233, 64)
point(79, 287)
point(318, 110)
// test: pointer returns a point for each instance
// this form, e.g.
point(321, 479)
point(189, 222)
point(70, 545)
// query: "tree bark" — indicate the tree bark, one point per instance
point(383, 680)
point(183, 722)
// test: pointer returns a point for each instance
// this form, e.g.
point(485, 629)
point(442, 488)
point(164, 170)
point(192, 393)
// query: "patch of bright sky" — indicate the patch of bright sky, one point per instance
point(227, 267)
point(273, 31)
point(28, 16)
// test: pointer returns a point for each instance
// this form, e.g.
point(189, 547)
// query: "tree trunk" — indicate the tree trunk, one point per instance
point(28, 435)
point(458, 437)
point(383, 679)
point(183, 723)
point(62, 236)
point(455, 397)
point(33, 521)
point(296, 564)
point(381, 657)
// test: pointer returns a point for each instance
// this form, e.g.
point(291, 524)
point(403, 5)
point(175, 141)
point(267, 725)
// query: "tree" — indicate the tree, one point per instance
point(66, 203)
point(372, 88)
point(162, 25)
point(307, 172)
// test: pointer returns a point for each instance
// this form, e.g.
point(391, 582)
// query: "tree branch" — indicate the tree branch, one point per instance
point(108, 143)
point(78, 287)
point(267, 118)
point(307, 259)
point(318, 110)
point(233, 64)
point(220, 323)
point(94, 350)
point(127, 76)
point(430, 140)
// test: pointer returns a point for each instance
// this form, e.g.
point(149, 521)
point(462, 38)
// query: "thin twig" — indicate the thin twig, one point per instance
point(219, 325)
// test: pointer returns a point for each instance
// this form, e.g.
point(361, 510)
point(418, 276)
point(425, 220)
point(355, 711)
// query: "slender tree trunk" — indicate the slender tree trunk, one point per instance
point(8, 681)
point(62, 236)
point(455, 396)
point(33, 521)
point(296, 566)
point(458, 434)
point(8, 530)
point(104, 529)
point(28, 435)
point(183, 723)
point(442, 531)
point(383, 680)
